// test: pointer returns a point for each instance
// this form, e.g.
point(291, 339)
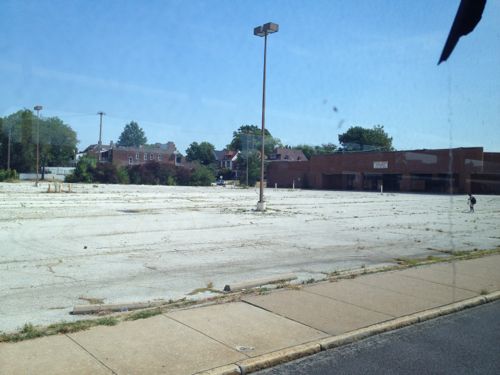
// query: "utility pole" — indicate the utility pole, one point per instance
point(8, 147)
point(37, 108)
point(247, 158)
point(100, 113)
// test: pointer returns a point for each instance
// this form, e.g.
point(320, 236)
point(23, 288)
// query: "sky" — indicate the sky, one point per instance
point(192, 70)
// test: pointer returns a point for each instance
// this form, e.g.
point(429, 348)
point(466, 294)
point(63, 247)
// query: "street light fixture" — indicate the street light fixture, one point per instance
point(263, 30)
point(37, 108)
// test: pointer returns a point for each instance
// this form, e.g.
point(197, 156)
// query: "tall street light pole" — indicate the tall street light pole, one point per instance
point(263, 30)
point(37, 108)
point(8, 147)
point(101, 113)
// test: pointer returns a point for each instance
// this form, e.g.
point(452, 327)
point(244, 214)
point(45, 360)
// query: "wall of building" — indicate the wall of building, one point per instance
point(286, 174)
point(488, 181)
point(459, 170)
point(131, 156)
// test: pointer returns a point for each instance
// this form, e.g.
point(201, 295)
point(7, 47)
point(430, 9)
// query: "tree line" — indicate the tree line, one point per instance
point(151, 173)
point(19, 133)
point(248, 141)
point(58, 147)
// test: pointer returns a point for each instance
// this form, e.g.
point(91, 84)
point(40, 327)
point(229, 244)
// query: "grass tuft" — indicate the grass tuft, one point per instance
point(29, 331)
point(144, 314)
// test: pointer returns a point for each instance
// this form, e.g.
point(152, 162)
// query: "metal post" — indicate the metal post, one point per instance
point(264, 30)
point(100, 128)
point(247, 159)
point(261, 205)
point(8, 147)
point(37, 108)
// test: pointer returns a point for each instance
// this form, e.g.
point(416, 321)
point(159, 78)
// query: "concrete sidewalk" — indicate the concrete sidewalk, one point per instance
point(219, 336)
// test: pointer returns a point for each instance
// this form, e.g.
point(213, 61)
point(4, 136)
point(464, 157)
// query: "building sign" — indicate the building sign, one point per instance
point(380, 164)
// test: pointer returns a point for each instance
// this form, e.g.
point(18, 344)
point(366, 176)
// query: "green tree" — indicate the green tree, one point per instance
point(309, 150)
point(202, 176)
point(84, 170)
point(253, 159)
point(182, 176)
point(250, 137)
point(108, 173)
point(357, 138)
point(203, 152)
point(22, 130)
point(152, 173)
point(325, 148)
point(57, 141)
point(132, 136)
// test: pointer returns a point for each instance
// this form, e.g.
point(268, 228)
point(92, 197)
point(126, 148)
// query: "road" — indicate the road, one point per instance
point(463, 343)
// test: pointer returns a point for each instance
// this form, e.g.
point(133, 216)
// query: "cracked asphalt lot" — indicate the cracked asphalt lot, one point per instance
point(133, 243)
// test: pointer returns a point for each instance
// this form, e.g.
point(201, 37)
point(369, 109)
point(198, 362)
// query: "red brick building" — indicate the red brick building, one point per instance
point(123, 156)
point(458, 170)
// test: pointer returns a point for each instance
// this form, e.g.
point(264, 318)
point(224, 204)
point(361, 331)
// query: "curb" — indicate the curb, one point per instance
point(275, 358)
point(264, 361)
point(259, 282)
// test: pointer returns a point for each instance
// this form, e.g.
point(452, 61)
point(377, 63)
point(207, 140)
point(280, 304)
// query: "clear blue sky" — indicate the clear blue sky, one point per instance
point(192, 70)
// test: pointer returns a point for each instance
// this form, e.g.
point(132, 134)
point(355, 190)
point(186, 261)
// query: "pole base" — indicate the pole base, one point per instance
point(261, 206)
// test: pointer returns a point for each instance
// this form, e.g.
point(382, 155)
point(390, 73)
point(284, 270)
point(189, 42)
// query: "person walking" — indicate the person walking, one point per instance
point(471, 201)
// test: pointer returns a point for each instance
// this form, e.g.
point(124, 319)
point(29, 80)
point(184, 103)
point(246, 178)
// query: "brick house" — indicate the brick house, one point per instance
point(123, 156)
point(227, 159)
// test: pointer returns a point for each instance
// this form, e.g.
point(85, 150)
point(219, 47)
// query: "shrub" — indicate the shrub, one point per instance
point(183, 175)
point(202, 176)
point(110, 174)
point(8, 175)
point(84, 170)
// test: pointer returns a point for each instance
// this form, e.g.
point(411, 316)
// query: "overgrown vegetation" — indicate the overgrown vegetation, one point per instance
point(19, 133)
point(453, 255)
point(144, 314)
point(29, 331)
point(151, 173)
point(8, 175)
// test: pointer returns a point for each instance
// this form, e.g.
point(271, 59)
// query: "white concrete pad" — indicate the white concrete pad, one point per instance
point(130, 243)
point(322, 313)
point(449, 274)
point(157, 345)
point(371, 297)
point(419, 288)
point(48, 355)
point(247, 328)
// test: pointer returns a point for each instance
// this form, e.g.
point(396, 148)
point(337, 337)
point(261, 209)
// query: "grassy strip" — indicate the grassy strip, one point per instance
point(29, 331)
point(453, 255)
point(144, 314)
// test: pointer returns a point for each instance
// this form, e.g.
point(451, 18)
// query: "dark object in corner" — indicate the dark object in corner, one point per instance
point(468, 16)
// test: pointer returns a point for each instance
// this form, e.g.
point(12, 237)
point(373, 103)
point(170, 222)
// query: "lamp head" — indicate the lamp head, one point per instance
point(267, 28)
